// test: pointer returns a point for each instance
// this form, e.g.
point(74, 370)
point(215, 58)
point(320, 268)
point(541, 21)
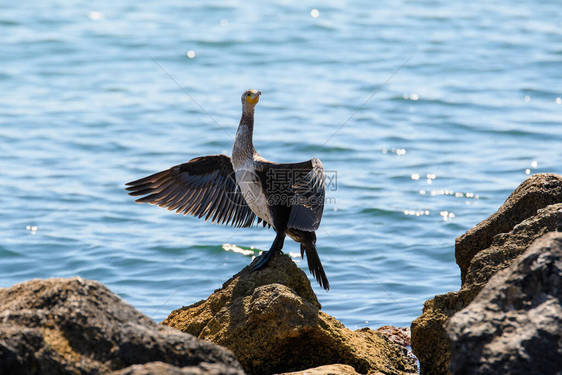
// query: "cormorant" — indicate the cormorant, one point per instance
point(244, 189)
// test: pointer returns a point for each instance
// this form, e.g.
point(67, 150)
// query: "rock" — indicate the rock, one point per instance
point(326, 370)
point(536, 192)
point(161, 368)
point(272, 321)
point(400, 336)
point(397, 335)
point(514, 325)
point(429, 340)
point(69, 326)
point(507, 246)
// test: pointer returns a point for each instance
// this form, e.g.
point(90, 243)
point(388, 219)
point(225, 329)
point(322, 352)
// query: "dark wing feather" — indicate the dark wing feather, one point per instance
point(202, 187)
point(306, 191)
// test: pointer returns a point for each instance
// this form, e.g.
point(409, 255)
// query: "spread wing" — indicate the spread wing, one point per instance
point(202, 187)
point(306, 189)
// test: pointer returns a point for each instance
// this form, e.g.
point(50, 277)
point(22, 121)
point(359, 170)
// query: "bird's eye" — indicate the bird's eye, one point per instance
point(248, 94)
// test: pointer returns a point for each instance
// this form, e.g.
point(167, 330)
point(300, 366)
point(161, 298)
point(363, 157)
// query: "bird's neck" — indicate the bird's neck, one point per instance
point(243, 149)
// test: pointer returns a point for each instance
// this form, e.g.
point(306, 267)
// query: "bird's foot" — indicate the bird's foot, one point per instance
point(263, 260)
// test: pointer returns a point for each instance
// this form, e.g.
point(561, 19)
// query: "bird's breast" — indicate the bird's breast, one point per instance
point(252, 190)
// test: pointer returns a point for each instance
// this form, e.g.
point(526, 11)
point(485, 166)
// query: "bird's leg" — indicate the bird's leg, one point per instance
point(266, 257)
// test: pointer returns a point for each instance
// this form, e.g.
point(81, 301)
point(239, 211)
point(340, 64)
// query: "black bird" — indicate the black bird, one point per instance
point(245, 189)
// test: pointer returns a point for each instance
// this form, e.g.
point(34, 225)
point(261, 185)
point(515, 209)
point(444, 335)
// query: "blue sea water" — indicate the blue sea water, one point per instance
point(429, 112)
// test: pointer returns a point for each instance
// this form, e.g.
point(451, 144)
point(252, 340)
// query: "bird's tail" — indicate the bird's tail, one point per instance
point(314, 264)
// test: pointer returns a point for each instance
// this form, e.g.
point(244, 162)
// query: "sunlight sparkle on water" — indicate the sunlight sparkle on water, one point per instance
point(95, 16)
point(314, 13)
point(457, 194)
point(416, 213)
point(31, 228)
point(447, 215)
point(191, 54)
point(397, 151)
point(558, 100)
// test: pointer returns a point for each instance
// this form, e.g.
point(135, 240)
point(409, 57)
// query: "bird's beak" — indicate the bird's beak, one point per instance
point(254, 98)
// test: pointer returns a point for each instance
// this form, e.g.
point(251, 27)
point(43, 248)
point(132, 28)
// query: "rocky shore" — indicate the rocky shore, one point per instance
point(530, 212)
point(505, 319)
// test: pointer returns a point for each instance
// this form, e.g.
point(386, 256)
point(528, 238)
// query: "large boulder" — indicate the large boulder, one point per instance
point(532, 201)
point(70, 326)
point(514, 326)
point(272, 321)
point(536, 192)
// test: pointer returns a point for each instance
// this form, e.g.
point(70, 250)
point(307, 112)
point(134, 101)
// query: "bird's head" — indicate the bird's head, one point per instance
point(250, 98)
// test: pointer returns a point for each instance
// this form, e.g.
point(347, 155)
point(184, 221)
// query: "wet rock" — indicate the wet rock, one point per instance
point(326, 370)
point(69, 326)
point(271, 320)
point(536, 192)
point(429, 340)
point(514, 325)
